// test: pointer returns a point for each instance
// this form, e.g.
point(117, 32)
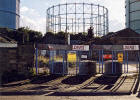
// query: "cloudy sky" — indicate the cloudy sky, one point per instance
point(33, 12)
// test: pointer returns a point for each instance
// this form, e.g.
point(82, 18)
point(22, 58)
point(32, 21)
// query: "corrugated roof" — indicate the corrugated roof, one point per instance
point(5, 39)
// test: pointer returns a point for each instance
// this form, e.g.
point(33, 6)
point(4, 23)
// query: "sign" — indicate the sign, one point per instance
point(107, 56)
point(8, 45)
point(71, 57)
point(43, 52)
point(130, 47)
point(120, 57)
point(80, 47)
point(84, 56)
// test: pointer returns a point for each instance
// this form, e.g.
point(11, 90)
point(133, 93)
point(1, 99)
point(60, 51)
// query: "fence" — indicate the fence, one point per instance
point(82, 60)
point(129, 59)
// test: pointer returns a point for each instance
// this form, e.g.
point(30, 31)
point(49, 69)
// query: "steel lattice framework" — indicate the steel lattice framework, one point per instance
point(77, 18)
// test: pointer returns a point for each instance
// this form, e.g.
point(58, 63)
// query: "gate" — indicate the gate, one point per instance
point(61, 59)
point(126, 55)
point(80, 60)
point(42, 59)
point(57, 62)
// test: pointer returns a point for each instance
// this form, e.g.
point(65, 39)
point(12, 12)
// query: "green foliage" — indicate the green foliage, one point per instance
point(22, 35)
point(61, 37)
point(32, 72)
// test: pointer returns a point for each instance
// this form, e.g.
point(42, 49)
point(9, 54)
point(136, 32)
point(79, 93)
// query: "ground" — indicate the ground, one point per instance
point(52, 87)
point(69, 98)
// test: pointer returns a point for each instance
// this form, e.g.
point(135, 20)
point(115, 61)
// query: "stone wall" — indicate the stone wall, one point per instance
point(25, 57)
point(18, 58)
point(8, 59)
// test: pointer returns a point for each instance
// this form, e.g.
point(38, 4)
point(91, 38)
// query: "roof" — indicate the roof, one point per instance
point(5, 39)
point(123, 33)
point(127, 33)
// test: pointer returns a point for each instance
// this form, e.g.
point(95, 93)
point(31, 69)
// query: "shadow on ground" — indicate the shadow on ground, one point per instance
point(75, 80)
point(106, 80)
point(22, 93)
point(88, 94)
point(12, 77)
point(107, 84)
point(14, 84)
point(138, 94)
point(136, 87)
point(35, 90)
point(44, 79)
point(34, 80)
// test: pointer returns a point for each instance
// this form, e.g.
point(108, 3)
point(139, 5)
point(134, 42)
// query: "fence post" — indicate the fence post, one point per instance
point(99, 60)
point(63, 63)
point(76, 61)
point(124, 61)
point(112, 63)
point(102, 60)
point(138, 62)
point(127, 61)
point(79, 61)
point(36, 61)
point(52, 62)
point(49, 63)
point(115, 54)
point(139, 66)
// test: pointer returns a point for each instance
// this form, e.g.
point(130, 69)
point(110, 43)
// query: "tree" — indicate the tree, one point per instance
point(29, 36)
point(22, 35)
point(90, 32)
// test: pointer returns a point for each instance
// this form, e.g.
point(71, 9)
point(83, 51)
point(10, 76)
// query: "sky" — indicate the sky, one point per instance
point(33, 12)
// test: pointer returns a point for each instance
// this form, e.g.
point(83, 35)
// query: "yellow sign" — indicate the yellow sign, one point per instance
point(71, 57)
point(120, 57)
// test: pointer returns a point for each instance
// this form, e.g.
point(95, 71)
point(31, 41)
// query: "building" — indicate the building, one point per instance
point(9, 13)
point(133, 15)
point(123, 37)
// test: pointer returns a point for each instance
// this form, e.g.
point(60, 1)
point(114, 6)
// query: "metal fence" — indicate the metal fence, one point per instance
point(53, 59)
point(129, 58)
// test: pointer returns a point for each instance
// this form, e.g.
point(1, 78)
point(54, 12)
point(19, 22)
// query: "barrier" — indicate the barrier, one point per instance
point(87, 67)
point(96, 59)
point(116, 69)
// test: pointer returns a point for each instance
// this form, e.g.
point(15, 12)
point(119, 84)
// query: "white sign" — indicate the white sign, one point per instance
point(80, 47)
point(130, 47)
point(8, 45)
point(84, 56)
point(43, 52)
